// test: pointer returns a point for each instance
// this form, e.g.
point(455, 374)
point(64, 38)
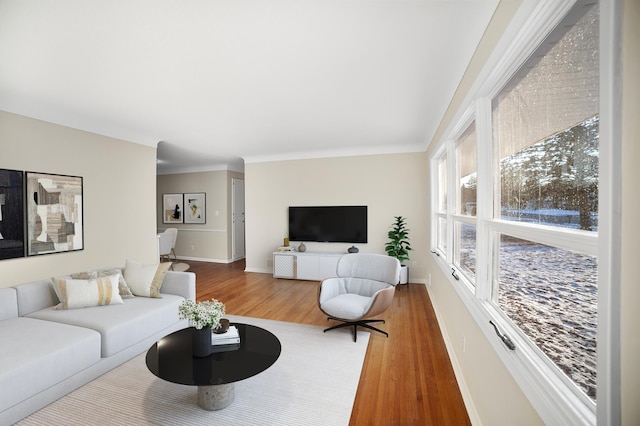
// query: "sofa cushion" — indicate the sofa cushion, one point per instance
point(145, 280)
point(123, 288)
point(8, 303)
point(120, 326)
point(74, 294)
point(36, 355)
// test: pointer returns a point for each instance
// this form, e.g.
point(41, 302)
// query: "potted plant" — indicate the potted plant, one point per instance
point(399, 246)
point(203, 317)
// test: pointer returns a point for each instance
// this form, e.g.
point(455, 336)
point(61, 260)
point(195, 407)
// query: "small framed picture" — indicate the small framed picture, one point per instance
point(54, 213)
point(195, 208)
point(172, 208)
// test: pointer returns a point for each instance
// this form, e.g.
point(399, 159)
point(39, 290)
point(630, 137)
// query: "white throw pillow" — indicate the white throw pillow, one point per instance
point(145, 280)
point(74, 294)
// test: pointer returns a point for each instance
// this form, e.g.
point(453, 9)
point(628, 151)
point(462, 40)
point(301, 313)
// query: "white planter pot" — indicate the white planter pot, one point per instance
point(404, 274)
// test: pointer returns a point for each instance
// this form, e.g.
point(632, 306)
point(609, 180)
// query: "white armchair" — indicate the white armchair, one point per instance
point(173, 232)
point(164, 246)
point(364, 287)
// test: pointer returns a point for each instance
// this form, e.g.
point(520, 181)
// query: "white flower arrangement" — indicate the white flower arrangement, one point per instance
point(202, 314)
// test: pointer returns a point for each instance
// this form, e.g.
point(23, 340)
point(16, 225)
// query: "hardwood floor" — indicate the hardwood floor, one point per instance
point(407, 379)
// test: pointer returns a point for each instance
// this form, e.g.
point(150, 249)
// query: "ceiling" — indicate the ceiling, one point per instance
point(219, 83)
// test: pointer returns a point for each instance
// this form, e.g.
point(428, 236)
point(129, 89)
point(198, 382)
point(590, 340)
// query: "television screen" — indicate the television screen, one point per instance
point(336, 224)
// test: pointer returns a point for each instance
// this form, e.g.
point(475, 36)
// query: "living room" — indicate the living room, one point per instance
point(121, 221)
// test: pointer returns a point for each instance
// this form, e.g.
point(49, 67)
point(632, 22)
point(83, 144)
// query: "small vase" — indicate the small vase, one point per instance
point(222, 327)
point(201, 340)
point(302, 247)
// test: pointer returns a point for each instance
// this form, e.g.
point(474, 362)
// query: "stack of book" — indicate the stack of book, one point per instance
point(227, 341)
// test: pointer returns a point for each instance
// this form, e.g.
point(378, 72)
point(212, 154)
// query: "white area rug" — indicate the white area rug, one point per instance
point(314, 382)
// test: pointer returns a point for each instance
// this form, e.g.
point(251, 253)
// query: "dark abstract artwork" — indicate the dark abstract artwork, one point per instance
point(54, 213)
point(172, 208)
point(11, 214)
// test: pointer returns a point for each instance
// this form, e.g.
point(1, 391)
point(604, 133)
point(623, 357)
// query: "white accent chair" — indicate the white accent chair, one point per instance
point(364, 287)
point(174, 236)
point(164, 246)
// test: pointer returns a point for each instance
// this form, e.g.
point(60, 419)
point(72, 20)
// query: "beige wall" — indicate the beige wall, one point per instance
point(119, 194)
point(630, 284)
point(390, 185)
point(211, 241)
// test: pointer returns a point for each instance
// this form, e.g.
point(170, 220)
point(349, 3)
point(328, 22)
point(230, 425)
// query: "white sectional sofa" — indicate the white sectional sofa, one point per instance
point(46, 353)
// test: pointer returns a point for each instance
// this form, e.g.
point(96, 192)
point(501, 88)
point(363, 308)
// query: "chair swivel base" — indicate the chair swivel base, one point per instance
point(355, 325)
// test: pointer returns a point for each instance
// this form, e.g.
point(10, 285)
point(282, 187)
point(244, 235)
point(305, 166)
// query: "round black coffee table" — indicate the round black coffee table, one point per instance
point(171, 359)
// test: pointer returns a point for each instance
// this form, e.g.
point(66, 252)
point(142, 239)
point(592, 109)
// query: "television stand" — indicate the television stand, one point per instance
point(308, 265)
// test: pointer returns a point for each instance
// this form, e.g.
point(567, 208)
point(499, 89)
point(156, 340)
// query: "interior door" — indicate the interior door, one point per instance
point(237, 200)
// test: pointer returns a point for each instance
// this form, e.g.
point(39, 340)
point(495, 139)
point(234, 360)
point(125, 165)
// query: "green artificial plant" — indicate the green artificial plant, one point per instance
point(398, 245)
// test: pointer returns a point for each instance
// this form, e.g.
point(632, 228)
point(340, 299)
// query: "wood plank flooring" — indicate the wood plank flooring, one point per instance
point(407, 378)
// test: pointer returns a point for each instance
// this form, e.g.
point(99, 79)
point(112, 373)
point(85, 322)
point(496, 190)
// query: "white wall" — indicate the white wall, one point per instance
point(211, 241)
point(390, 185)
point(119, 194)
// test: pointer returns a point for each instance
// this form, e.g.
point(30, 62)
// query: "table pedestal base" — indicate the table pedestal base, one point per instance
point(215, 397)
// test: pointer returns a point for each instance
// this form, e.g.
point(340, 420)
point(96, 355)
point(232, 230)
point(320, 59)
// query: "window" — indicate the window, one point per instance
point(545, 122)
point(466, 193)
point(535, 213)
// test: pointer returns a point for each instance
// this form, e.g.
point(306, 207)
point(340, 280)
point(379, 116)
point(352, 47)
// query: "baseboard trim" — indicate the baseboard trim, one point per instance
point(205, 259)
point(260, 270)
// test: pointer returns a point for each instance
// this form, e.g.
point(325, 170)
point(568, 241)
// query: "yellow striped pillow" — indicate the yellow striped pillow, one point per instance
point(74, 294)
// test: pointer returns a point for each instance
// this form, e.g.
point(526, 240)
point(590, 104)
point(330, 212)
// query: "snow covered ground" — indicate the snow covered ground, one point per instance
point(551, 295)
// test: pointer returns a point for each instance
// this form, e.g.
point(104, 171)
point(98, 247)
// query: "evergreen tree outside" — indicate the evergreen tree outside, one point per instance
point(551, 180)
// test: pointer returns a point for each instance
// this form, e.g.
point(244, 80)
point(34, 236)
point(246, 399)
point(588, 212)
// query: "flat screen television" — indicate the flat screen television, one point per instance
point(335, 224)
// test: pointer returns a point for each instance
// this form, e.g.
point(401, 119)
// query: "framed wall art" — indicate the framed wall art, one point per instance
point(54, 213)
point(11, 214)
point(195, 204)
point(172, 208)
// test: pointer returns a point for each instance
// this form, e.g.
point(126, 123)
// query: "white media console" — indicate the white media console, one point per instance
point(308, 265)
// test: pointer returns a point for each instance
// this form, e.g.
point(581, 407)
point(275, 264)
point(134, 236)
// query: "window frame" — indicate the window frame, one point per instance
point(551, 394)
